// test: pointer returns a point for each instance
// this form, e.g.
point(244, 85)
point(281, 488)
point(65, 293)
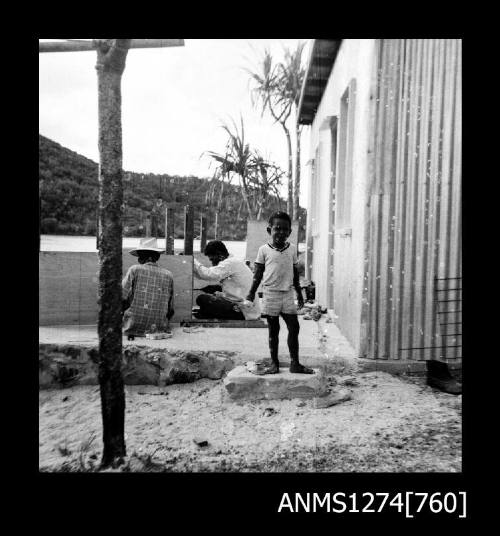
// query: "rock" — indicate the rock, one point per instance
point(184, 369)
point(256, 367)
point(46, 377)
point(65, 365)
point(348, 381)
point(214, 365)
point(137, 370)
point(335, 397)
point(200, 441)
point(241, 384)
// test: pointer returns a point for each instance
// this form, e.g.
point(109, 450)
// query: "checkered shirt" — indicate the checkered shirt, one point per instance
point(149, 289)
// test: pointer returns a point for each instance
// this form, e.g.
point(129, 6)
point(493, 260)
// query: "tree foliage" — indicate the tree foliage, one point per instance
point(276, 88)
point(258, 179)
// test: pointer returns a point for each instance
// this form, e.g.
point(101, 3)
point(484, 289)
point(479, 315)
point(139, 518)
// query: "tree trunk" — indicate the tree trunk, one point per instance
point(220, 196)
point(296, 193)
point(245, 194)
point(289, 202)
point(239, 210)
point(110, 65)
point(259, 213)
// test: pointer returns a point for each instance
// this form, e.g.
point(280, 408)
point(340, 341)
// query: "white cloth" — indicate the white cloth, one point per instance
point(278, 266)
point(236, 279)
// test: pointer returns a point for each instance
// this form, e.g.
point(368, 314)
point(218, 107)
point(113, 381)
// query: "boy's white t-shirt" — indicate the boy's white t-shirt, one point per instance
point(278, 266)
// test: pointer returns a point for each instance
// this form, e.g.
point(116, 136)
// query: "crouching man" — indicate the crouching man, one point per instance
point(235, 279)
point(148, 291)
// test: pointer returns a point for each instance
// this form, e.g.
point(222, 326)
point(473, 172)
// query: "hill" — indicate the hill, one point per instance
point(68, 185)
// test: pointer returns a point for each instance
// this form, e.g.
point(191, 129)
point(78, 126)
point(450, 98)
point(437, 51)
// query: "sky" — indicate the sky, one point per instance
point(174, 101)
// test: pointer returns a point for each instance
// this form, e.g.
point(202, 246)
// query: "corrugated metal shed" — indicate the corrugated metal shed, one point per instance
point(413, 282)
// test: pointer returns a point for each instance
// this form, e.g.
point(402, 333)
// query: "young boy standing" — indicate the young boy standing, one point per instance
point(276, 267)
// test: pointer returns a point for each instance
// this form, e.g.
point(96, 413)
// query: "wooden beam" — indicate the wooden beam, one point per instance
point(82, 46)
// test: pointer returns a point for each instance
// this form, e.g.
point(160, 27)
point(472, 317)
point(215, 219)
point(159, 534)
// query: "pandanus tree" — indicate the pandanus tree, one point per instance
point(266, 180)
point(266, 93)
point(257, 177)
point(235, 161)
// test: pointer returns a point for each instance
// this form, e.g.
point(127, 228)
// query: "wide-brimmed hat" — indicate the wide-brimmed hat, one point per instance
point(146, 244)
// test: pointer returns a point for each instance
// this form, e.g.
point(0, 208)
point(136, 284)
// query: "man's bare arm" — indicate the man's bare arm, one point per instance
point(258, 273)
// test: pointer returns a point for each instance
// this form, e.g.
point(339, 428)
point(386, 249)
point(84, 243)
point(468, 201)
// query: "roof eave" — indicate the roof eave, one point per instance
point(308, 103)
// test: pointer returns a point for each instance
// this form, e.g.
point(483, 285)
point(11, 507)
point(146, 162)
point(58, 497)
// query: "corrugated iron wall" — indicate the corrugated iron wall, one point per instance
point(413, 282)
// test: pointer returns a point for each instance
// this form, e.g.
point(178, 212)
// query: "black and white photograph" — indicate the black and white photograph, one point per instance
point(250, 258)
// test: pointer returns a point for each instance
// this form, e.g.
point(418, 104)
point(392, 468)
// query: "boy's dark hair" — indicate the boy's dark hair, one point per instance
point(214, 247)
point(148, 256)
point(281, 216)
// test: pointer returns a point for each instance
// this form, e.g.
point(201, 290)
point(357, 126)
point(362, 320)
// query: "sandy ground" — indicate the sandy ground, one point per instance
point(391, 424)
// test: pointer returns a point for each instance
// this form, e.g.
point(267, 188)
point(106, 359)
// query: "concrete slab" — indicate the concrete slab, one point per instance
point(250, 344)
point(243, 385)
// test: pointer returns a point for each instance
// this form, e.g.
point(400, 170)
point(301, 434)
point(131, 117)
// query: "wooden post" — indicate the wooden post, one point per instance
point(97, 229)
point(203, 232)
point(111, 57)
point(39, 221)
point(169, 231)
point(188, 229)
point(216, 225)
point(148, 225)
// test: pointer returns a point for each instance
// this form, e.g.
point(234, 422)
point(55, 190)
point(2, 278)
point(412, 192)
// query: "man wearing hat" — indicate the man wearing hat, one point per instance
point(148, 291)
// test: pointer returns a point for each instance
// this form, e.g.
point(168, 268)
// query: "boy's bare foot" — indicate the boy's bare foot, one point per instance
point(300, 369)
point(273, 368)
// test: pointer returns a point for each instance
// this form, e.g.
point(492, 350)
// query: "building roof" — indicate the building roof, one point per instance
point(319, 67)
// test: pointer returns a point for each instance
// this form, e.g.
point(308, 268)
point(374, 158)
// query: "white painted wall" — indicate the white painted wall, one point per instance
point(355, 59)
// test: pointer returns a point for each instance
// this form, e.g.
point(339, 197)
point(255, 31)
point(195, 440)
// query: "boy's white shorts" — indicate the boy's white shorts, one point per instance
point(275, 302)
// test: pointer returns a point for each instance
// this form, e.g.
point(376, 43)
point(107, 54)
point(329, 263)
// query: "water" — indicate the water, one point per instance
point(88, 243)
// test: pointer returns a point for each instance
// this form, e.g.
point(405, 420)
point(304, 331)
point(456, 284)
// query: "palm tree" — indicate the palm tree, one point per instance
point(265, 179)
point(290, 84)
point(277, 88)
point(266, 91)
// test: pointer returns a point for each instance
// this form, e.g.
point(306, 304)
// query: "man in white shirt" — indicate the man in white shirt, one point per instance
point(235, 278)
